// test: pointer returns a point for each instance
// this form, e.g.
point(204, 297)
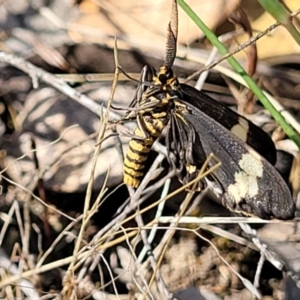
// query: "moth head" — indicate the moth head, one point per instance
point(164, 75)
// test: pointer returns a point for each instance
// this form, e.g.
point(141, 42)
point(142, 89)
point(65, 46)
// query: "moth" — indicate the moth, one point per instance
point(196, 126)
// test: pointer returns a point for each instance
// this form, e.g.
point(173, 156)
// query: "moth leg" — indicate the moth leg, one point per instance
point(118, 144)
point(141, 127)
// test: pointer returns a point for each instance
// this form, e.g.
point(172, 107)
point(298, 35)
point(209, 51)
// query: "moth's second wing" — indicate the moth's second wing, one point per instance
point(240, 126)
point(185, 154)
point(251, 184)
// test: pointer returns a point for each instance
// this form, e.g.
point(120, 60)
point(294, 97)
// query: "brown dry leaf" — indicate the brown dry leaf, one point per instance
point(295, 175)
point(148, 19)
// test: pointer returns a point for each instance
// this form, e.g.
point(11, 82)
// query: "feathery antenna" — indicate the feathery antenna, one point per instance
point(171, 45)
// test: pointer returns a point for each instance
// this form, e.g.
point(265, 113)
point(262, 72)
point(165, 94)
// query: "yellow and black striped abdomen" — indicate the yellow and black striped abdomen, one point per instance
point(140, 146)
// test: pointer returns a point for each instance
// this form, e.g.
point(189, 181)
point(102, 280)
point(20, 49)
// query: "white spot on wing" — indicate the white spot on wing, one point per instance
point(246, 181)
point(241, 129)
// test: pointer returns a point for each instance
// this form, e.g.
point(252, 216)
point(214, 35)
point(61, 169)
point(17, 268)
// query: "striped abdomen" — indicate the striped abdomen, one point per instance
point(140, 146)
